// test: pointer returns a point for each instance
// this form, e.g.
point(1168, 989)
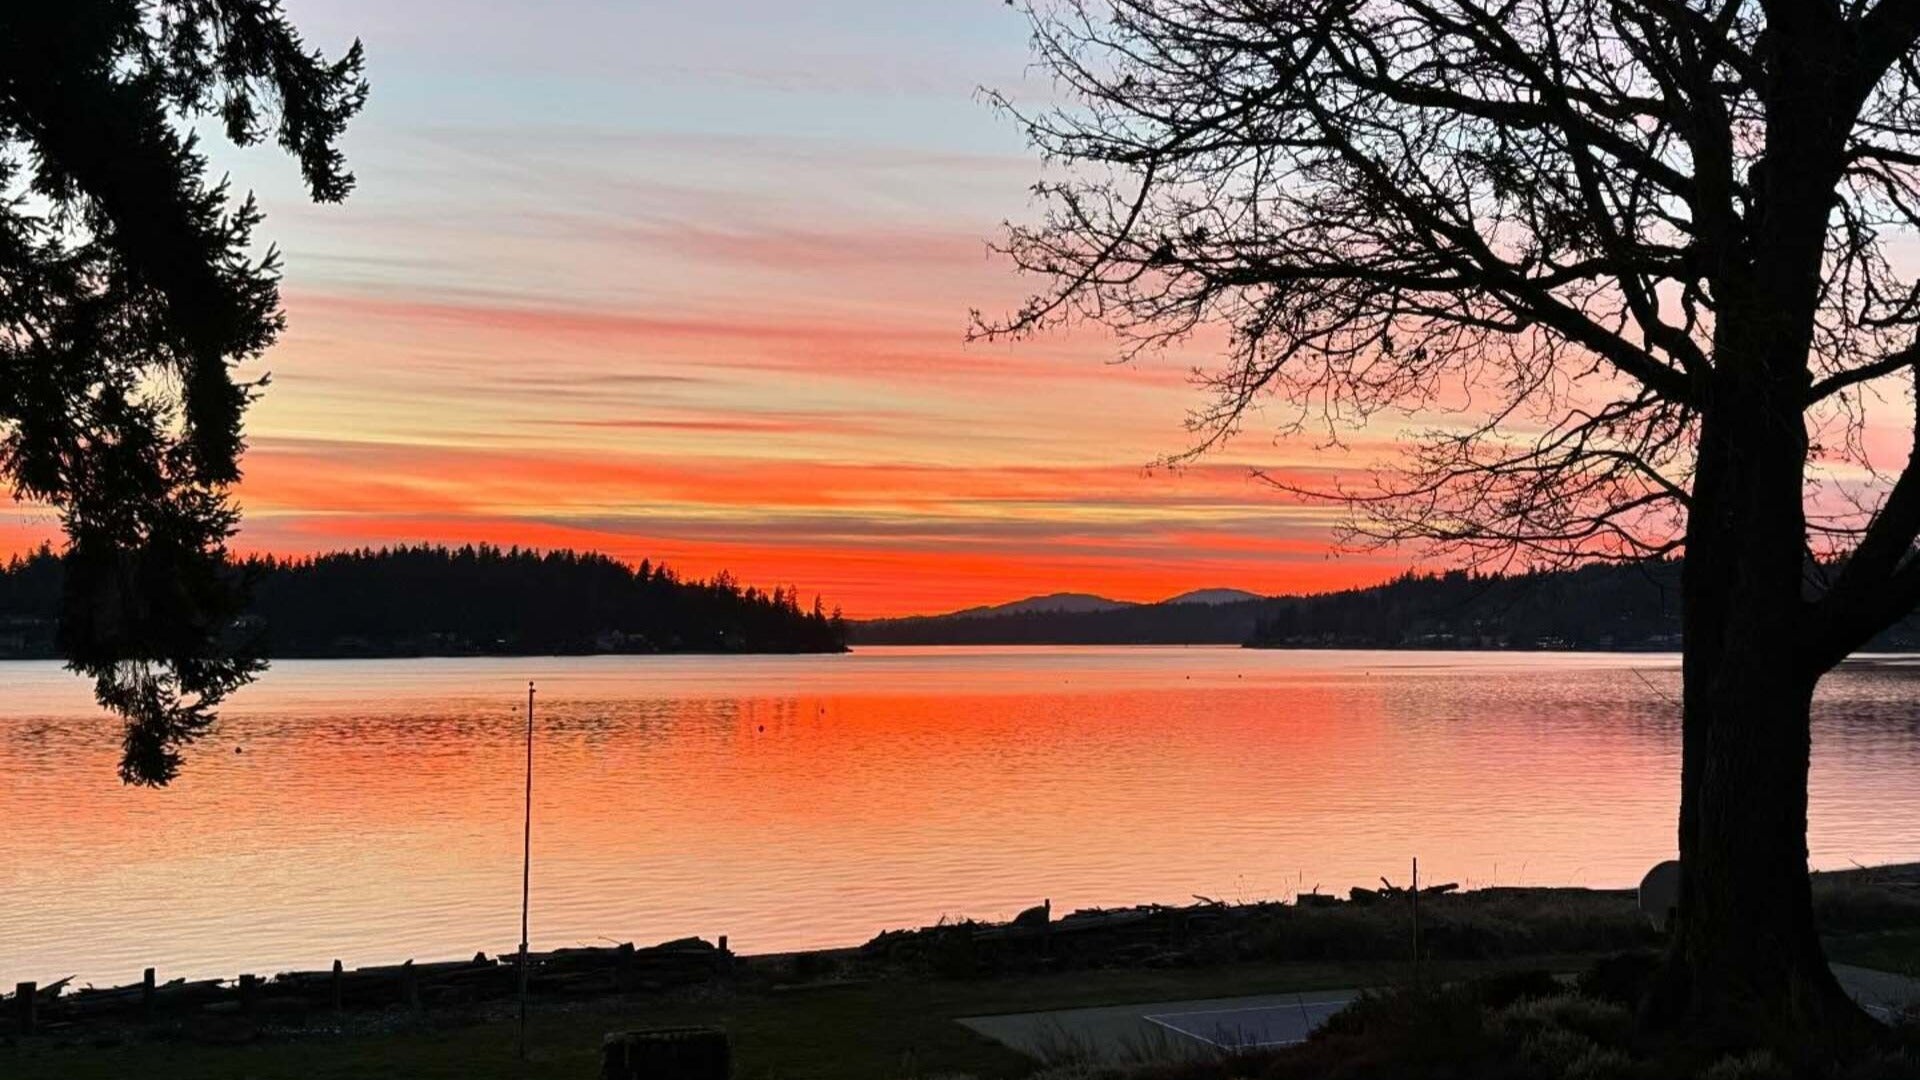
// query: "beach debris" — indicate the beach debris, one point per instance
point(587, 970)
point(1389, 891)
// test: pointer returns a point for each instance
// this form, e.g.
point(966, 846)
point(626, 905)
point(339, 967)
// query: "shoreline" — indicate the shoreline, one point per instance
point(1350, 925)
point(898, 1005)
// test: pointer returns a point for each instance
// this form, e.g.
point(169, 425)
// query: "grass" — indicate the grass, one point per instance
point(1871, 917)
point(888, 1029)
point(1897, 950)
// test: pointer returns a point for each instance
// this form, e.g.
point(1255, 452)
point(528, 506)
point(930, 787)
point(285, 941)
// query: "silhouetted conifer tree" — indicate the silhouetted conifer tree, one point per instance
point(129, 296)
point(414, 601)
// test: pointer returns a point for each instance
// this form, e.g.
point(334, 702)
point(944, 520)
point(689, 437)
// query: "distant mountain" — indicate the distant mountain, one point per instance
point(1074, 603)
point(1213, 597)
point(1068, 602)
point(1166, 623)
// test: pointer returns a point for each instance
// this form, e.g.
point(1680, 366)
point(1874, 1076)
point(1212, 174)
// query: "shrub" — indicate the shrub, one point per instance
point(1601, 1022)
point(1602, 1063)
point(1504, 988)
point(1554, 1050)
point(1758, 1065)
point(1864, 900)
point(1622, 978)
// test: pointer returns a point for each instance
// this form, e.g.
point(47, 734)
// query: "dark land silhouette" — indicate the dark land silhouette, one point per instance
point(1599, 607)
point(467, 601)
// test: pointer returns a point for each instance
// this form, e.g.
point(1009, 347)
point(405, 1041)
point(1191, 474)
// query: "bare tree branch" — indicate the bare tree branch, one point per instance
point(1519, 227)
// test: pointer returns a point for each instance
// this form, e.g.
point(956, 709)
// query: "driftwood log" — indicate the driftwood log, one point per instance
point(410, 984)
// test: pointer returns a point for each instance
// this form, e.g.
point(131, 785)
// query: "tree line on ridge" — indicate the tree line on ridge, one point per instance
point(1600, 606)
point(473, 600)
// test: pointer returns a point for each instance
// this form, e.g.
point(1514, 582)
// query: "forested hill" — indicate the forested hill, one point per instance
point(437, 601)
point(1133, 624)
point(1595, 607)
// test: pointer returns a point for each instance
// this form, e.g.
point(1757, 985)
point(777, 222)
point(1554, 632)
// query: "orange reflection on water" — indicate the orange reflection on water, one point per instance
point(372, 811)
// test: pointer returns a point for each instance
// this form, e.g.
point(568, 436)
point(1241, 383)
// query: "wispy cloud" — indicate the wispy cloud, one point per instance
point(693, 282)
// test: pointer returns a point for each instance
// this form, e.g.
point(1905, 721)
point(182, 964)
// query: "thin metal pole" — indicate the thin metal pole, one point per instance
point(1416, 919)
point(526, 874)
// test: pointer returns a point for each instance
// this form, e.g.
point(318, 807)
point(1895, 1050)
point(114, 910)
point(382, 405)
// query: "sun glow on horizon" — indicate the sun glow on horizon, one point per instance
point(696, 289)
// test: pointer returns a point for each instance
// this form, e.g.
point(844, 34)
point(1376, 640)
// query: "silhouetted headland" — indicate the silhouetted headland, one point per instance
point(468, 601)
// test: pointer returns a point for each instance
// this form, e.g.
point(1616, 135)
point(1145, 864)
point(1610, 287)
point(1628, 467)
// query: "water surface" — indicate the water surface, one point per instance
point(370, 810)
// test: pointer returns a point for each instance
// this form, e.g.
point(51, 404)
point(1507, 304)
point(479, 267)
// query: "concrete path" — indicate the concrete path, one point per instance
point(1156, 1031)
point(1162, 1030)
point(1881, 993)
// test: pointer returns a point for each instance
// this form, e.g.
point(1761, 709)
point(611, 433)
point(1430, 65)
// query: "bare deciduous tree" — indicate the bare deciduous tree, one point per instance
point(1635, 262)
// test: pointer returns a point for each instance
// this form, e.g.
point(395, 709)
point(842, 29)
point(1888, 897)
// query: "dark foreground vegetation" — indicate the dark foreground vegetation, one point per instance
point(1527, 1025)
point(1478, 1006)
point(472, 600)
point(1602, 607)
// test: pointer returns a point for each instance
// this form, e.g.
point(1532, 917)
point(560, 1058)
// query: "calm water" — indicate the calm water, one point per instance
point(372, 811)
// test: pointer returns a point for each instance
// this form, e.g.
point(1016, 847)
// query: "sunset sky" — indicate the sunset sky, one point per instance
point(691, 281)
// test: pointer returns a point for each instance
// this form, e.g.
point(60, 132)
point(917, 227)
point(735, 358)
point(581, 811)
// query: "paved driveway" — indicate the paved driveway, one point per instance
point(1159, 1030)
point(1163, 1029)
point(1883, 993)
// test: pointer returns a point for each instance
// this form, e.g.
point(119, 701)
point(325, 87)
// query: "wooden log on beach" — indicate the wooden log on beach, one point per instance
point(141, 997)
point(686, 956)
point(390, 972)
point(180, 992)
point(1081, 921)
point(475, 974)
point(575, 959)
point(573, 971)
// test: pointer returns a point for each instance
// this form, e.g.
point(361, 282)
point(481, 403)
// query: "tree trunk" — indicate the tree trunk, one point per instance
point(1754, 972)
point(1745, 967)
